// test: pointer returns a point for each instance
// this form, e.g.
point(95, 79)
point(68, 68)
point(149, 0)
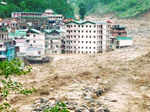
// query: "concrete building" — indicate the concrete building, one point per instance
point(54, 41)
point(117, 30)
point(37, 20)
point(19, 37)
point(36, 39)
point(123, 42)
point(52, 16)
point(119, 38)
point(87, 37)
point(7, 48)
point(25, 14)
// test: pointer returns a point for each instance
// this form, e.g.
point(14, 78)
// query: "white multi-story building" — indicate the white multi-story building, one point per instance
point(52, 16)
point(35, 39)
point(87, 37)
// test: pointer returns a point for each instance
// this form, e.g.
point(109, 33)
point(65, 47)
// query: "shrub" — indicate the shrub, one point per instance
point(13, 67)
point(59, 107)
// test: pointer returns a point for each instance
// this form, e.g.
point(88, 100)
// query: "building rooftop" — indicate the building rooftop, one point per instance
point(84, 22)
point(17, 33)
point(123, 38)
point(53, 30)
point(34, 31)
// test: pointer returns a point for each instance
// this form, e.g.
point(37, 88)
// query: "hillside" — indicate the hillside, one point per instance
point(69, 8)
point(121, 8)
point(61, 7)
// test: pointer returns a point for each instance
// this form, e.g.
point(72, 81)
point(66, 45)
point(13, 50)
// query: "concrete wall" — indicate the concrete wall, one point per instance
point(125, 43)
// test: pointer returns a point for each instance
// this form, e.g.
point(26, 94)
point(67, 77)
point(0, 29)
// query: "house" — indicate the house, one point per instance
point(36, 44)
point(123, 42)
point(52, 16)
point(117, 30)
point(19, 37)
point(119, 37)
point(54, 41)
point(36, 38)
point(7, 48)
point(37, 20)
point(87, 37)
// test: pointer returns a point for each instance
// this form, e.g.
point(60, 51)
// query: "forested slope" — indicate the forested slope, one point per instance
point(121, 8)
point(60, 6)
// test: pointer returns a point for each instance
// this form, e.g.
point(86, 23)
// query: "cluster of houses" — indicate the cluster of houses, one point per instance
point(34, 35)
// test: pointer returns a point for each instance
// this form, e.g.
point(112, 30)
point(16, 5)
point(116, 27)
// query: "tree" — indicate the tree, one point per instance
point(82, 10)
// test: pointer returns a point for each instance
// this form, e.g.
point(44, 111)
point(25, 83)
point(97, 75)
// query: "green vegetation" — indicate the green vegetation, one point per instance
point(6, 107)
point(13, 67)
point(60, 7)
point(125, 8)
point(8, 86)
point(121, 8)
point(82, 10)
point(59, 107)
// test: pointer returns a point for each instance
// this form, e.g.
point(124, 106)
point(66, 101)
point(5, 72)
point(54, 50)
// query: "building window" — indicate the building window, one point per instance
point(27, 41)
point(57, 46)
point(39, 52)
point(34, 41)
